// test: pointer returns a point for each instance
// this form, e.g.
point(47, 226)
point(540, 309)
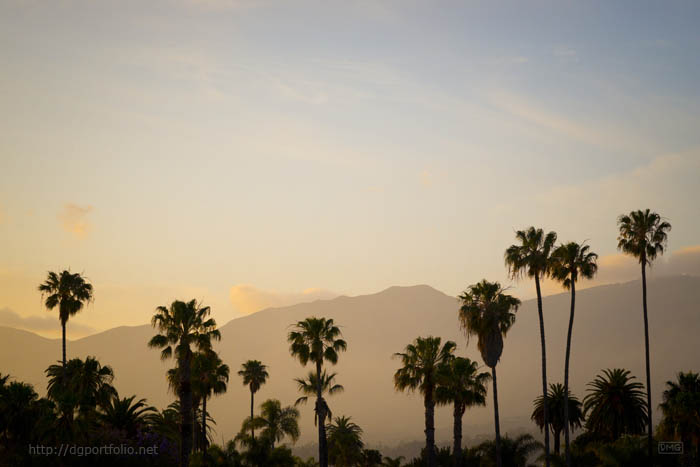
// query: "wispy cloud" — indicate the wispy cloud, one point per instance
point(249, 299)
point(74, 220)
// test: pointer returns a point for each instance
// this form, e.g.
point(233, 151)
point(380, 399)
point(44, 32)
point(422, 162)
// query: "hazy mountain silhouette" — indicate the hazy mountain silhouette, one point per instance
point(608, 333)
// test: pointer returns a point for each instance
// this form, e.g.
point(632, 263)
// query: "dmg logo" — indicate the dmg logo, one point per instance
point(670, 447)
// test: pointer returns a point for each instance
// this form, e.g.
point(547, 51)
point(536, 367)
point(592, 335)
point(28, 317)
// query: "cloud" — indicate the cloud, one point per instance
point(73, 218)
point(248, 299)
point(40, 324)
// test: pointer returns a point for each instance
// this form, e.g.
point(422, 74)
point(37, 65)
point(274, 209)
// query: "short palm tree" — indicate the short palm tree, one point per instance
point(392, 461)
point(422, 362)
point(212, 380)
point(254, 375)
point(644, 235)
point(681, 413)
point(181, 326)
point(531, 256)
point(488, 313)
point(615, 405)
point(317, 340)
point(82, 385)
point(125, 414)
point(344, 442)
point(309, 385)
point(461, 385)
point(513, 452)
point(275, 421)
point(69, 292)
point(571, 262)
point(555, 403)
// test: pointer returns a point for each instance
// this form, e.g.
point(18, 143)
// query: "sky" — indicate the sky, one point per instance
point(253, 153)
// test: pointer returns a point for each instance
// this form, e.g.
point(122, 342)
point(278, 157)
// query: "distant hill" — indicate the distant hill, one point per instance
point(608, 332)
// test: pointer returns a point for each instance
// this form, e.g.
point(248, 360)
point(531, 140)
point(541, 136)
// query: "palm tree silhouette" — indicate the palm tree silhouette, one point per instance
point(644, 235)
point(126, 414)
point(180, 326)
point(212, 380)
point(489, 313)
point(69, 292)
point(254, 375)
point(421, 362)
point(317, 340)
point(569, 263)
point(513, 452)
point(309, 386)
point(461, 385)
point(681, 411)
point(615, 405)
point(532, 257)
point(555, 403)
point(344, 442)
point(275, 421)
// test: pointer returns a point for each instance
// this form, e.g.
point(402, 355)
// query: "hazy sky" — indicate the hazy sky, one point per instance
point(250, 151)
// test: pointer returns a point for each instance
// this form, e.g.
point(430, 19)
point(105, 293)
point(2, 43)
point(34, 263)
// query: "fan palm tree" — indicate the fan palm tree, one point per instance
point(461, 385)
point(180, 326)
point(644, 235)
point(571, 262)
point(555, 403)
point(488, 313)
point(681, 413)
point(615, 405)
point(513, 452)
point(531, 256)
point(83, 385)
point(69, 292)
point(344, 442)
point(422, 362)
point(317, 340)
point(212, 379)
point(125, 414)
point(254, 375)
point(309, 385)
point(275, 421)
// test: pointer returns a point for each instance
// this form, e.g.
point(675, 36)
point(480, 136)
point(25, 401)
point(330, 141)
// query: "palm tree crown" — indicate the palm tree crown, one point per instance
point(316, 340)
point(531, 255)
point(309, 386)
point(345, 442)
point(555, 405)
point(422, 361)
point(572, 261)
point(681, 409)
point(643, 234)
point(275, 421)
point(254, 374)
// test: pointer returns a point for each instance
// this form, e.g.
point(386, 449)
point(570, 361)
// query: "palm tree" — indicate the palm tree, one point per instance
point(125, 414)
point(69, 292)
point(182, 325)
point(276, 422)
point(421, 366)
point(489, 313)
point(392, 461)
point(569, 263)
point(254, 375)
point(681, 412)
point(317, 340)
point(212, 380)
point(344, 442)
point(644, 235)
point(461, 385)
point(309, 385)
point(513, 452)
point(615, 405)
point(555, 403)
point(83, 385)
point(531, 256)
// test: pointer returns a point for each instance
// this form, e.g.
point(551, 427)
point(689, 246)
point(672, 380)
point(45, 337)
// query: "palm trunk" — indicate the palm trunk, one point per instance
point(321, 412)
point(557, 441)
point(495, 416)
point(63, 330)
point(204, 432)
point(457, 434)
point(195, 430)
point(544, 371)
point(185, 412)
point(252, 405)
point(429, 404)
point(646, 349)
point(566, 372)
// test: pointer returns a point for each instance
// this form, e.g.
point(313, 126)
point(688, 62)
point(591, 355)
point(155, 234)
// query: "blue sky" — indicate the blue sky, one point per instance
point(183, 147)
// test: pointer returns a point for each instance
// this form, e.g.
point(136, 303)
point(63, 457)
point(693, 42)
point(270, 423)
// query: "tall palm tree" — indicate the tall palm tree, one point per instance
point(254, 375)
point(344, 442)
point(681, 413)
point(309, 385)
point(555, 403)
point(275, 421)
point(180, 326)
point(488, 313)
point(644, 235)
point(531, 256)
point(212, 380)
point(69, 292)
point(461, 385)
point(615, 405)
point(571, 262)
point(317, 340)
point(126, 414)
point(422, 362)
